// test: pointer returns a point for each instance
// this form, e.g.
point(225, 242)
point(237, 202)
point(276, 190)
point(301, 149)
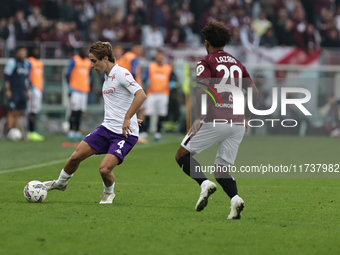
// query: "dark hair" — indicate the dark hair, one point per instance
point(19, 48)
point(160, 51)
point(217, 34)
point(102, 49)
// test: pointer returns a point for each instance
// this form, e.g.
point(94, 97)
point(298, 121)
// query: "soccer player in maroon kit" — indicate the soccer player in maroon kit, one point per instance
point(217, 69)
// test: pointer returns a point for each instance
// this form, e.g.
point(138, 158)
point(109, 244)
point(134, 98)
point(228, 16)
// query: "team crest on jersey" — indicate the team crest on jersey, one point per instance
point(126, 74)
point(113, 77)
point(199, 70)
point(109, 90)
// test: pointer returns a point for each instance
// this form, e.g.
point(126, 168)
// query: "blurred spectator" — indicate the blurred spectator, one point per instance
point(74, 39)
point(176, 34)
point(118, 52)
point(153, 39)
point(21, 25)
point(131, 35)
point(36, 79)
point(331, 115)
point(16, 85)
point(312, 40)
point(3, 29)
point(158, 79)
point(209, 15)
point(261, 24)
point(82, 19)
point(235, 38)
point(174, 38)
point(286, 37)
point(35, 19)
point(331, 40)
point(156, 14)
point(11, 34)
point(268, 7)
point(279, 24)
point(78, 79)
point(113, 31)
point(326, 22)
point(138, 12)
point(89, 9)
point(117, 4)
point(269, 40)
point(187, 18)
point(94, 32)
point(68, 11)
point(300, 28)
point(319, 5)
point(248, 37)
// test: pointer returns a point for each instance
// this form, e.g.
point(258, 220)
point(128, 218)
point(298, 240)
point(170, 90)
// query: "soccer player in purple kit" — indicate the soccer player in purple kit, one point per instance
point(216, 69)
point(118, 133)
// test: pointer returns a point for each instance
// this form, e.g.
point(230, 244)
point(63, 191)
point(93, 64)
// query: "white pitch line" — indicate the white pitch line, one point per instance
point(64, 160)
point(33, 166)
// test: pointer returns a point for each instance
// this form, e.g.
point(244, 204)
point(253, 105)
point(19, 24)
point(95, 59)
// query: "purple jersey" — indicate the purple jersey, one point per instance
point(216, 66)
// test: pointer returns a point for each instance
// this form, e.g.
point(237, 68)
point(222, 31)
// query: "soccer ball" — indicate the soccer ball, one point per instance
point(65, 126)
point(14, 134)
point(35, 192)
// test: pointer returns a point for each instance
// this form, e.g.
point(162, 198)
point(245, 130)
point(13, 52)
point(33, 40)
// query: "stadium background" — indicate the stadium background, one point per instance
point(276, 40)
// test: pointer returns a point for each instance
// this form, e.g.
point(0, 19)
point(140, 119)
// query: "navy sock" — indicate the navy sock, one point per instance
point(228, 184)
point(188, 164)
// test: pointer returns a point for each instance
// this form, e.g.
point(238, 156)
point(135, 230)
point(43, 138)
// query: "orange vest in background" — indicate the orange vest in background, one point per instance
point(119, 61)
point(80, 75)
point(125, 61)
point(159, 78)
point(37, 73)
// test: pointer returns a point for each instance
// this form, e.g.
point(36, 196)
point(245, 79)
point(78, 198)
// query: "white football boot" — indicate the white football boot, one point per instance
point(51, 185)
point(207, 189)
point(237, 205)
point(107, 198)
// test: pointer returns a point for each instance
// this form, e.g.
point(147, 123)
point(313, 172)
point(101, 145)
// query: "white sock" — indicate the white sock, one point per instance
point(109, 190)
point(63, 178)
point(204, 183)
point(234, 197)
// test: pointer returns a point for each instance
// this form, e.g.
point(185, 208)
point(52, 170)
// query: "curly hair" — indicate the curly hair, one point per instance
point(102, 49)
point(217, 34)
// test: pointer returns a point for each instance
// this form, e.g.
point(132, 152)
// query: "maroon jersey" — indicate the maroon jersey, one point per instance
point(216, 66)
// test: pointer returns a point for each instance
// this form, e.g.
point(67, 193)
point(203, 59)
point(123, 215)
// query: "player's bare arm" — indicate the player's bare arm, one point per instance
point(8, 90)
point(136, 104)
point(247, 111)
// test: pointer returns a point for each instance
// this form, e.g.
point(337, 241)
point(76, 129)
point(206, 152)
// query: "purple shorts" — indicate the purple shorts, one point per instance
point(108, 142)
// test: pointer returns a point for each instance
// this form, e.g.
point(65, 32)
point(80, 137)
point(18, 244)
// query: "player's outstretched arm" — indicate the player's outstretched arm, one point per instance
point(136, 104)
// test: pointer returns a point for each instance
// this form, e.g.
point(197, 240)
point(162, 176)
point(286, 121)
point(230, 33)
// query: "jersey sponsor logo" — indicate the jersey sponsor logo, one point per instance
point(224, 105)
point(109, 90)
point(126, 74)
point(113, 77)
point(199, 70)
point(22, 71)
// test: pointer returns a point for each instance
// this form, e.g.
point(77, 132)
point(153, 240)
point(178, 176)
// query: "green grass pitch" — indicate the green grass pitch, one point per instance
point(154, 210)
